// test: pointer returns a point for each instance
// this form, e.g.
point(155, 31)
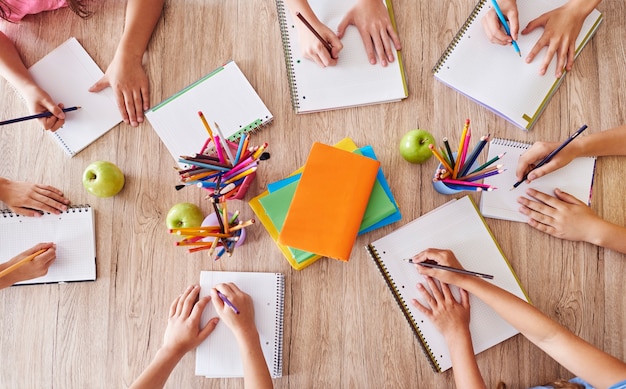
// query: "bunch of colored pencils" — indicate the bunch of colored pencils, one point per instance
point(456, 170)
point(223, 167)
point(222, 237)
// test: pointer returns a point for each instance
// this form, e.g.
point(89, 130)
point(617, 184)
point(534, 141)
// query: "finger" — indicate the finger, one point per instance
point(394, 37)
point(345, 22)
point(37, 247)
point(370, 49)
point(561, 61)
point(121, 106)
point(198, 308)
point(571, 52)
point(173, 306)
point(447, 293)
point(51, 193)
point(190, 300)
point(145, 97)
point(513, 20)
point(129, 106)
point(547, 59)
point(45, 204)
point(138, 105)
point(379, 46)
point(434, 289)
point(181, 301)
point(387, 45)
point(216, 300)
point(423, 309)
point(566, 197)
point(99, 85)
point(464, 298)
point(432, 303)
point(545, 198)
point(25, 211)
point(208, 328)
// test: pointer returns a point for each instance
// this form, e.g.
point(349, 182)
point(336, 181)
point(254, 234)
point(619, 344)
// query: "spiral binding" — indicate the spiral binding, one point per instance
point(470, 19)
point(7, 213)
point(252, 128)
point(278, 341)
point(284, 32)
point(403, 307)
point(67, 149)
point(510, 143)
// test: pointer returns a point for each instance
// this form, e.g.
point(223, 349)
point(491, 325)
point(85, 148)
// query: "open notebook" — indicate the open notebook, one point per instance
point(67, 73)
point(457, 226)
point(353, 81)
point(576, 178)
point(495, 76)
point(73, 231)
point(224, 96)
point(218, 356)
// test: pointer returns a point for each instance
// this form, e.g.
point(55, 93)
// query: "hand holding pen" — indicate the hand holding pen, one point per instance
point(320, 44)
point(235, 308)
point(502, 25)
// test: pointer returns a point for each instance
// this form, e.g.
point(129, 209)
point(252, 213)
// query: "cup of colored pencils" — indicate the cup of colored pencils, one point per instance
point(219, 234)
point(460, 171)
point(223, 167)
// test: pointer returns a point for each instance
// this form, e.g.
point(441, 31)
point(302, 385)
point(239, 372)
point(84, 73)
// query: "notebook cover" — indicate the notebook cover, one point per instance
point(329, 203)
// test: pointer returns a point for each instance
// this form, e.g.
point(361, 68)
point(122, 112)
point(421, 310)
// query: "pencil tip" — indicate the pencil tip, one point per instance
point(179, 187)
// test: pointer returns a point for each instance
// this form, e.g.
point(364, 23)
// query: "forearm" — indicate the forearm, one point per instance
point(159, 370)
point(610, 236)
point(304, 8)
point(11, 66)
point(464, 366)
point(583, 7)
point(141, 18)
point(605, 143)
point(255, 372)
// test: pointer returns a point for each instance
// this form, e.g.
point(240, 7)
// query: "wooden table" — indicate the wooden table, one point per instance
point(342, 327)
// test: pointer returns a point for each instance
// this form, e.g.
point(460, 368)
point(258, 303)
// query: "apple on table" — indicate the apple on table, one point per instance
point(103, 179)
point(184, 215)
point(414, 146)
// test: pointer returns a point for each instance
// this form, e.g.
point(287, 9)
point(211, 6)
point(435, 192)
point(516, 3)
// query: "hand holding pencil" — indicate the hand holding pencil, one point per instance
point(27, 265)
point(537, 152)
point(317, 42)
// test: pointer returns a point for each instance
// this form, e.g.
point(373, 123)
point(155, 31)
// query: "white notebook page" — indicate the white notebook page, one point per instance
point(353, 81)
point(67, 73)
point(576, 178)
point(218, 356)
point(456, 226)
point(496, 77)
point(72, 231)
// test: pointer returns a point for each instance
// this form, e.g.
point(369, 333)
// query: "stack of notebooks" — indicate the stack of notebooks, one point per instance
point(319, 210)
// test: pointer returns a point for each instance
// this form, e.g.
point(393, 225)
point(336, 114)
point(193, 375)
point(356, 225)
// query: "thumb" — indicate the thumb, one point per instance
point(341, 29)
point(99, 85)
point(55, 109)
point(208, 328)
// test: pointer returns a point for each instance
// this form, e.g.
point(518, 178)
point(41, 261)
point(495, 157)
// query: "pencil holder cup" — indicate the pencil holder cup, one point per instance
point(442, 187)
point(211, 220)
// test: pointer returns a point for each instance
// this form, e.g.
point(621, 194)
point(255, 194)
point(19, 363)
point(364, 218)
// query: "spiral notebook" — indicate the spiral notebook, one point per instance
point(73, 231)
point(218, 356)
point(353, 81)
point(576, 178)
point(225, 96)
point(67, 73)
point(457, 226)
point(495, 76)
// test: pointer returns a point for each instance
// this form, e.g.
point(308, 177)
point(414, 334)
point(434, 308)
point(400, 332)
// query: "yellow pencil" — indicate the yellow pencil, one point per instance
point(457, 165)
point(206, 125)
point(241, 175)
point(21, 263)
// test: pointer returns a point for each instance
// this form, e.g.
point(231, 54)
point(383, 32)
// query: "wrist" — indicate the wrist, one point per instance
point(582, 8)
point(171, 352)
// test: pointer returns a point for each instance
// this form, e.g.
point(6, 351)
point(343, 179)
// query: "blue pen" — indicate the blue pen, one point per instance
point(505, 24)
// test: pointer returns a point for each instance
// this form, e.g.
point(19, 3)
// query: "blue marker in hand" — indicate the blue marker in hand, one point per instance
point(505, 24)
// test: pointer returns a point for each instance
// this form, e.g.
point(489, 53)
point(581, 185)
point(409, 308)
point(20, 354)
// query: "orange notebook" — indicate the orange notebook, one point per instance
point(329, 203)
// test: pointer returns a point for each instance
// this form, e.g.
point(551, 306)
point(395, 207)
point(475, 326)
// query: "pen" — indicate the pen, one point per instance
point(21, 262)
point(227, 302)
point(317, 35)
point(46, 114)
point(505, 25)
point(435, 265)
point(551, 155)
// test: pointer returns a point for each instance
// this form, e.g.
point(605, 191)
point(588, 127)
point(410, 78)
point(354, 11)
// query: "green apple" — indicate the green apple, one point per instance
point(414, 146)
point(184, 215)
point(103, 179)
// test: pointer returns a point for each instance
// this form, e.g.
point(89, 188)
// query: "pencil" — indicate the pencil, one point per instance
point(457, 165)
point(480, 172)
point(207, 127)
point(434, 265)
point(443, 162)
point(229, 153)
point(317, 35)
point(449, 151)
point(46, 114)
point(473, 155)
point(227, 302)
point(485, 175)
point(21, 263)
point(242, 140)
point(551, 155)
point(505, 24)
point(465, 183)
point(465, 150)
point(484, 165)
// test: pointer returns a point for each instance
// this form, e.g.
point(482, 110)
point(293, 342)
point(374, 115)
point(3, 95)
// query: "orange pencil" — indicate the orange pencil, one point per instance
point(444, 163)
point(206, 126)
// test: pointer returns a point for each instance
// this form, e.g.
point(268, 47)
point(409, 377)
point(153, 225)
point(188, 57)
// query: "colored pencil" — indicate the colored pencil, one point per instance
point(485, 175)
point(486, 170)
point(41, 115)
point(317, 35)
point(465, 150)
point(435, 265)
point(465, 183)
point(224, 142)
point(21, 263)
point(473, 155)
point(242, 140)
point(443, 162)
point(457, 165)
point(449, 151)
point(206, 126)
point(484, 165)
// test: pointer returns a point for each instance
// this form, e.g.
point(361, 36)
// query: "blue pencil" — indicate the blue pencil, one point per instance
point(242, 140)
point(46, 114)
point(505, 24)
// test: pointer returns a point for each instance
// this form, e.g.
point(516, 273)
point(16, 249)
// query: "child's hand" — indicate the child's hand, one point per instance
point(37, 267)
point(183, 332)
point(242, 323)
point(372, 20)
point(493, 27)
point(39, 101)
point(563, 216)
point(561, 28)
point(25, 198)
point(315, 50)
point(449, 316)
point(539, 151)
point(442, 257)
point(129, 82)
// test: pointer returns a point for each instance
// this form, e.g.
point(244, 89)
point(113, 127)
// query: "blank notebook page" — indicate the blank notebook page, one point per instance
point(457, 226)
point(218, 356)
point(576, 178)
point(495, 76)
point(73, 233)
point(353, 81)
point(67, 73)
